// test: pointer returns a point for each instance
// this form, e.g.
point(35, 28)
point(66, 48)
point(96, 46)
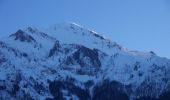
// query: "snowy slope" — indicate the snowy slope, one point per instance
point(70, 61)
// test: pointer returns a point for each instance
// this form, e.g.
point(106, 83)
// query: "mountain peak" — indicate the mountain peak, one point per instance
point(72, 33)
point(22, 36)
point(72, 26)
point(68, 23)
point(31, 29)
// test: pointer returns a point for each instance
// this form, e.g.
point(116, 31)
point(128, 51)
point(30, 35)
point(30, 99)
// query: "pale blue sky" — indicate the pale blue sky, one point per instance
point(136, 24)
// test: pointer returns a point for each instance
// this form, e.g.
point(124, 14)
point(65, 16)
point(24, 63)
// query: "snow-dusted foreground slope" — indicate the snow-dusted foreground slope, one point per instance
point(69, 62)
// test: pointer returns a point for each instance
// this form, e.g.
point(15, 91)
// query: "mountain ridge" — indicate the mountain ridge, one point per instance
point(71, 62)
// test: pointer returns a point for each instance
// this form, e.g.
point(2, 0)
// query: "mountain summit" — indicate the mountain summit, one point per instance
point(70, 62)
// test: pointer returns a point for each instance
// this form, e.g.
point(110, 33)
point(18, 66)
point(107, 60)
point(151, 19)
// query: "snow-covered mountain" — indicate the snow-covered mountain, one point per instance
point(68, 61)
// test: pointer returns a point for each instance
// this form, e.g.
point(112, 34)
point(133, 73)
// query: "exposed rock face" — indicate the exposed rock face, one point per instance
point(23, 37)
point(55, 49)
point(83, 53)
